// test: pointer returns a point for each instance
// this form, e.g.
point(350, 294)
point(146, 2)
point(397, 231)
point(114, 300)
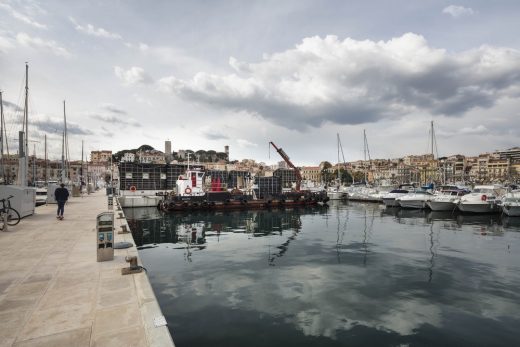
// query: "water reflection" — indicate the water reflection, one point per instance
point(353, 274)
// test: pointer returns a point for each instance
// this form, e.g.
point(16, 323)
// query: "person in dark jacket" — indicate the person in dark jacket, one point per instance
point(61, 195)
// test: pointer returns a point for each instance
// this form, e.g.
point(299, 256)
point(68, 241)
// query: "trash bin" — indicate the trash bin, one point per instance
point(105, 236)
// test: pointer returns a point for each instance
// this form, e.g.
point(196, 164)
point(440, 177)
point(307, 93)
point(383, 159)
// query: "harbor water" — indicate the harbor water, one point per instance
point(352, 274)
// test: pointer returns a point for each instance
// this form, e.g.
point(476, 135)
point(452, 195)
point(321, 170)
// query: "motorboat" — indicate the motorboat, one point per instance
point(389, 199)
point(336, 193)
point(415, 200)
point(446, 200)
point(481, 200)
point(510, 203)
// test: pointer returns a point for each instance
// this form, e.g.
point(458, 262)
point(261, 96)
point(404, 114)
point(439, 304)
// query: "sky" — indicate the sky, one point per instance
point(206, 74)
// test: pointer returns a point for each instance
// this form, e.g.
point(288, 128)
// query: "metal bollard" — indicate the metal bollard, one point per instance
point(124, 229)
point(134, 268)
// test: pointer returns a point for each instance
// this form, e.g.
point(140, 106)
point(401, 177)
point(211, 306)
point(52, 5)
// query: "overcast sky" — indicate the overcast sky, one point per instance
point(205, 74)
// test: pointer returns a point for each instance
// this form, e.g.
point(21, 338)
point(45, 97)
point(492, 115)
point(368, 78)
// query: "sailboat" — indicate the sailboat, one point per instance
point(23, 197)
point(337, 192)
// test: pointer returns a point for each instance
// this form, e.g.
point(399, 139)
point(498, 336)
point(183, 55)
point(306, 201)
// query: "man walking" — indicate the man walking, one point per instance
point(61, 195)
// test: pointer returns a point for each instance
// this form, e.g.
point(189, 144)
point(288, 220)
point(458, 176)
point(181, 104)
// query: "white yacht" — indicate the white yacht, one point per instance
point(390, 198)
point(445, 200)
point(481, 200)
point(415, 200)
point(336, 193)
point(510, 203)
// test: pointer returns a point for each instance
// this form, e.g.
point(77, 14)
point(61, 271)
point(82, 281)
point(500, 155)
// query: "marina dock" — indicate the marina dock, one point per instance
point(53, 292)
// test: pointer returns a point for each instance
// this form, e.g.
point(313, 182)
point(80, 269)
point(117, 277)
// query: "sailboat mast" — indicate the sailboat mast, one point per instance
point(339, 172)
point(365, 153)
point(63, 168)
point(26, 111)
point(81, 169)
point(45, 172)
point(433, 154)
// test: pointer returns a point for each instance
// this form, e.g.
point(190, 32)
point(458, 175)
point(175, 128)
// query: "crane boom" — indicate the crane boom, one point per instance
point(288, 161)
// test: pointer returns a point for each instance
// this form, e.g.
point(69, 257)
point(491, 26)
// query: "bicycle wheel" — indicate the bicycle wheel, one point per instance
point(2, 224)
point(13, 217)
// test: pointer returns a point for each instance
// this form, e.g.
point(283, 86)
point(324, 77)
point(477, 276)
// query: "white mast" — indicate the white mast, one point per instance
point(22, 136)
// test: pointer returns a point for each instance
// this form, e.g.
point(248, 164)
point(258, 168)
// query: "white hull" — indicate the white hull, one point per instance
point(478, 207)
point(442, 205)
point(337, 195)
point(139, 201)
point(390, 202)
point(511, 211)
point(415, 204)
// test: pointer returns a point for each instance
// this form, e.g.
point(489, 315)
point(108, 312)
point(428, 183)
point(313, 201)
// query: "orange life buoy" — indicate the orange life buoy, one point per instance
point(187, 190)
point(133, 189)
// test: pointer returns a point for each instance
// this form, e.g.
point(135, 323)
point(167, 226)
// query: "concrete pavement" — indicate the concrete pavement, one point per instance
point(53, 292)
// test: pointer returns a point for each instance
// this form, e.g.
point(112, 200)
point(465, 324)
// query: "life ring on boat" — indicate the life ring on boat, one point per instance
point(133, 188)
point(483, 197)
point(187, 190)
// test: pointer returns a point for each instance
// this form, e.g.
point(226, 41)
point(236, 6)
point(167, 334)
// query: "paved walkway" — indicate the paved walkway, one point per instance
point(53, 292)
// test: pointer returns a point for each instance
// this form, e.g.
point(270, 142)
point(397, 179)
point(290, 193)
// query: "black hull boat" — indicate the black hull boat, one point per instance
point(230, 201)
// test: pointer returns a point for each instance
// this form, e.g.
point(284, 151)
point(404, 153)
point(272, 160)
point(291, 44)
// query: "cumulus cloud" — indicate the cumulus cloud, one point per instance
point(91, 30)
point(5, 44)
point(245, 143)
point(113, 108)
point(353, 82)
point(38, 43)
point(134, 75)
point(55, 125)
point(458, 11)
point(139, 46)
point(21, 17)
point(213, 134)
point(479, 129)
point(12, 106)
point(112, 119)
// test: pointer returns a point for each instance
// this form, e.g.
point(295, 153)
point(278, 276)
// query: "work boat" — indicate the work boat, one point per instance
point(390, 198)
point(192, 193)
point(416, 200)
point(481, 200)
point(510, 203)
point(446, 200)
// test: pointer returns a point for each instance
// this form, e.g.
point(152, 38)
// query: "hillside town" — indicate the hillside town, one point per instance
point(501, 166)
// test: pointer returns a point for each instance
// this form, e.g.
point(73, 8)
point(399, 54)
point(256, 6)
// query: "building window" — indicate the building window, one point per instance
point(146, 175)
point(128, 175)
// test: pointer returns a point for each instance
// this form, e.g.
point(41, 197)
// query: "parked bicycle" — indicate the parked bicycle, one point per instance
point(8, 215)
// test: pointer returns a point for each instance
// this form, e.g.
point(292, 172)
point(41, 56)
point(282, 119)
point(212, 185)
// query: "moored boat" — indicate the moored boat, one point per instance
point(481, 200)
point(510, 203)
point(390, 198)
point(191, 195)
point(415, 200)
point(446, 200)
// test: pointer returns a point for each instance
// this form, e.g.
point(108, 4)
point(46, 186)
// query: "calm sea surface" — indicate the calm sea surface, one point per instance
point(352, 274)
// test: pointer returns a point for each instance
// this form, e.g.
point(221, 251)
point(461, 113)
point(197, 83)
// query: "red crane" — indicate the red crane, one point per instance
point(288, 161)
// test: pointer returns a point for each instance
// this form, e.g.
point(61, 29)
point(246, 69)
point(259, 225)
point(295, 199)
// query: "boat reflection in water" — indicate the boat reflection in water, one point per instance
point(353, 274)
